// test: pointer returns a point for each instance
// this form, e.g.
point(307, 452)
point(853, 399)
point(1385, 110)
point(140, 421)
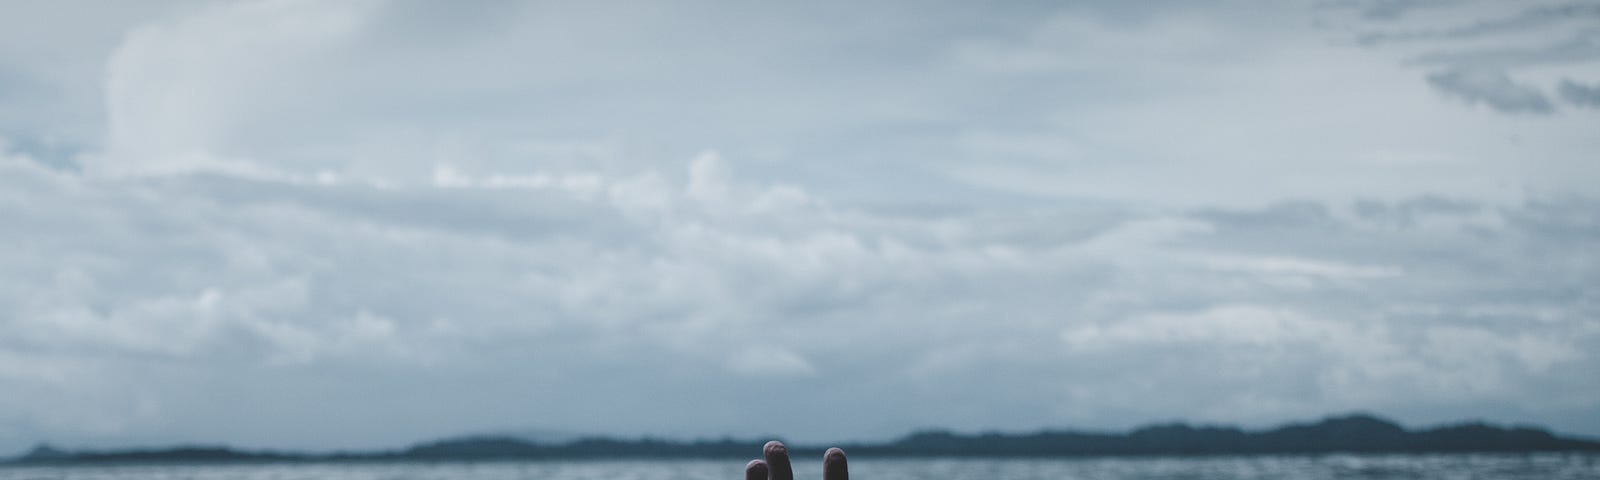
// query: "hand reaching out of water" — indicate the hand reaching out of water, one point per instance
point(776, 465)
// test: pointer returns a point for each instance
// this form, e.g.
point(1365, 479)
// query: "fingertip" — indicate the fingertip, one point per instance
point(755, 470)
point(834, 453)
point(774, 447)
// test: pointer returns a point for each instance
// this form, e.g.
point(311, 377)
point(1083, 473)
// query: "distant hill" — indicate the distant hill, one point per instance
point(1353, 433)
point(48, 454)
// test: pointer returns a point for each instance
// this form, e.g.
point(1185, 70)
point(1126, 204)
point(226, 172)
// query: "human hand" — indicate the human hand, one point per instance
point(776, 464)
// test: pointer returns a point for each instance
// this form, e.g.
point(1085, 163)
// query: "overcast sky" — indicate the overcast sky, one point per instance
point(360, 224)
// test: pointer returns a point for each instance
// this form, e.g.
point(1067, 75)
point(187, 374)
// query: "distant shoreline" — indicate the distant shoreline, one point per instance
point(1352, 434)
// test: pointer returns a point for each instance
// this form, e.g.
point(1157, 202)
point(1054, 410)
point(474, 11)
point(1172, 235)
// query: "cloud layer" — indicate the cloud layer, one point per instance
point(1481, 46)
point(219, 307)
point(358, 224)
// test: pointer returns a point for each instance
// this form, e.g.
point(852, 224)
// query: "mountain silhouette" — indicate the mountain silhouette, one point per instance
point(1357, 433)
point(1354, 433)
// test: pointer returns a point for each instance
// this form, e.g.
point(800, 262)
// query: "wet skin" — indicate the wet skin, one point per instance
point(775, 465)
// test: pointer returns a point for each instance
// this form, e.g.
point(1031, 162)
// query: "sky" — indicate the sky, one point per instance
point(355, 224)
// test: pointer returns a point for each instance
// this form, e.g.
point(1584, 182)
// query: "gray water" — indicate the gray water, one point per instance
point(1454, 466)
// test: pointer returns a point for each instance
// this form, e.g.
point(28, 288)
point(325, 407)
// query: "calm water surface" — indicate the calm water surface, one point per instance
point(1475, 466)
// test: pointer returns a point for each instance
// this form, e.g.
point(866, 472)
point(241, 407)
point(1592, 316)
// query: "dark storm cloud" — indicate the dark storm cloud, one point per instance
point(1490, 87)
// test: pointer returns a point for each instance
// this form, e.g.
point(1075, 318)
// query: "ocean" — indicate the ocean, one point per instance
point(1542, 466)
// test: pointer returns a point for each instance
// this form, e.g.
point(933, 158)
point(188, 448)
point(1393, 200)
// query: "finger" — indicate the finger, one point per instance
point(834, 466)
point(755, 470)
point(778, 461)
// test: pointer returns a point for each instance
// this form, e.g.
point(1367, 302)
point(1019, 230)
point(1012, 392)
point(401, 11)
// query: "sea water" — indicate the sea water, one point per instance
point(1544, 466)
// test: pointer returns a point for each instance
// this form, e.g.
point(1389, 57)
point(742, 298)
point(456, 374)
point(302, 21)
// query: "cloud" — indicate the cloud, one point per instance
point(769, 361)
point(524, 215)
point(1577, 48)
point(175, 103)
point(52, 65)
point(1474, 48)
point(1387, 10)
point(1491, 87)
point(566, 292)
point(1579, 94)
point(296, 88)
point(389, 92)
point(1528, 19)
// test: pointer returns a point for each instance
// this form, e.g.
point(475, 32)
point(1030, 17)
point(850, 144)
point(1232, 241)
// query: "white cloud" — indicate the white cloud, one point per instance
point(767, 360)
point(179, 92)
